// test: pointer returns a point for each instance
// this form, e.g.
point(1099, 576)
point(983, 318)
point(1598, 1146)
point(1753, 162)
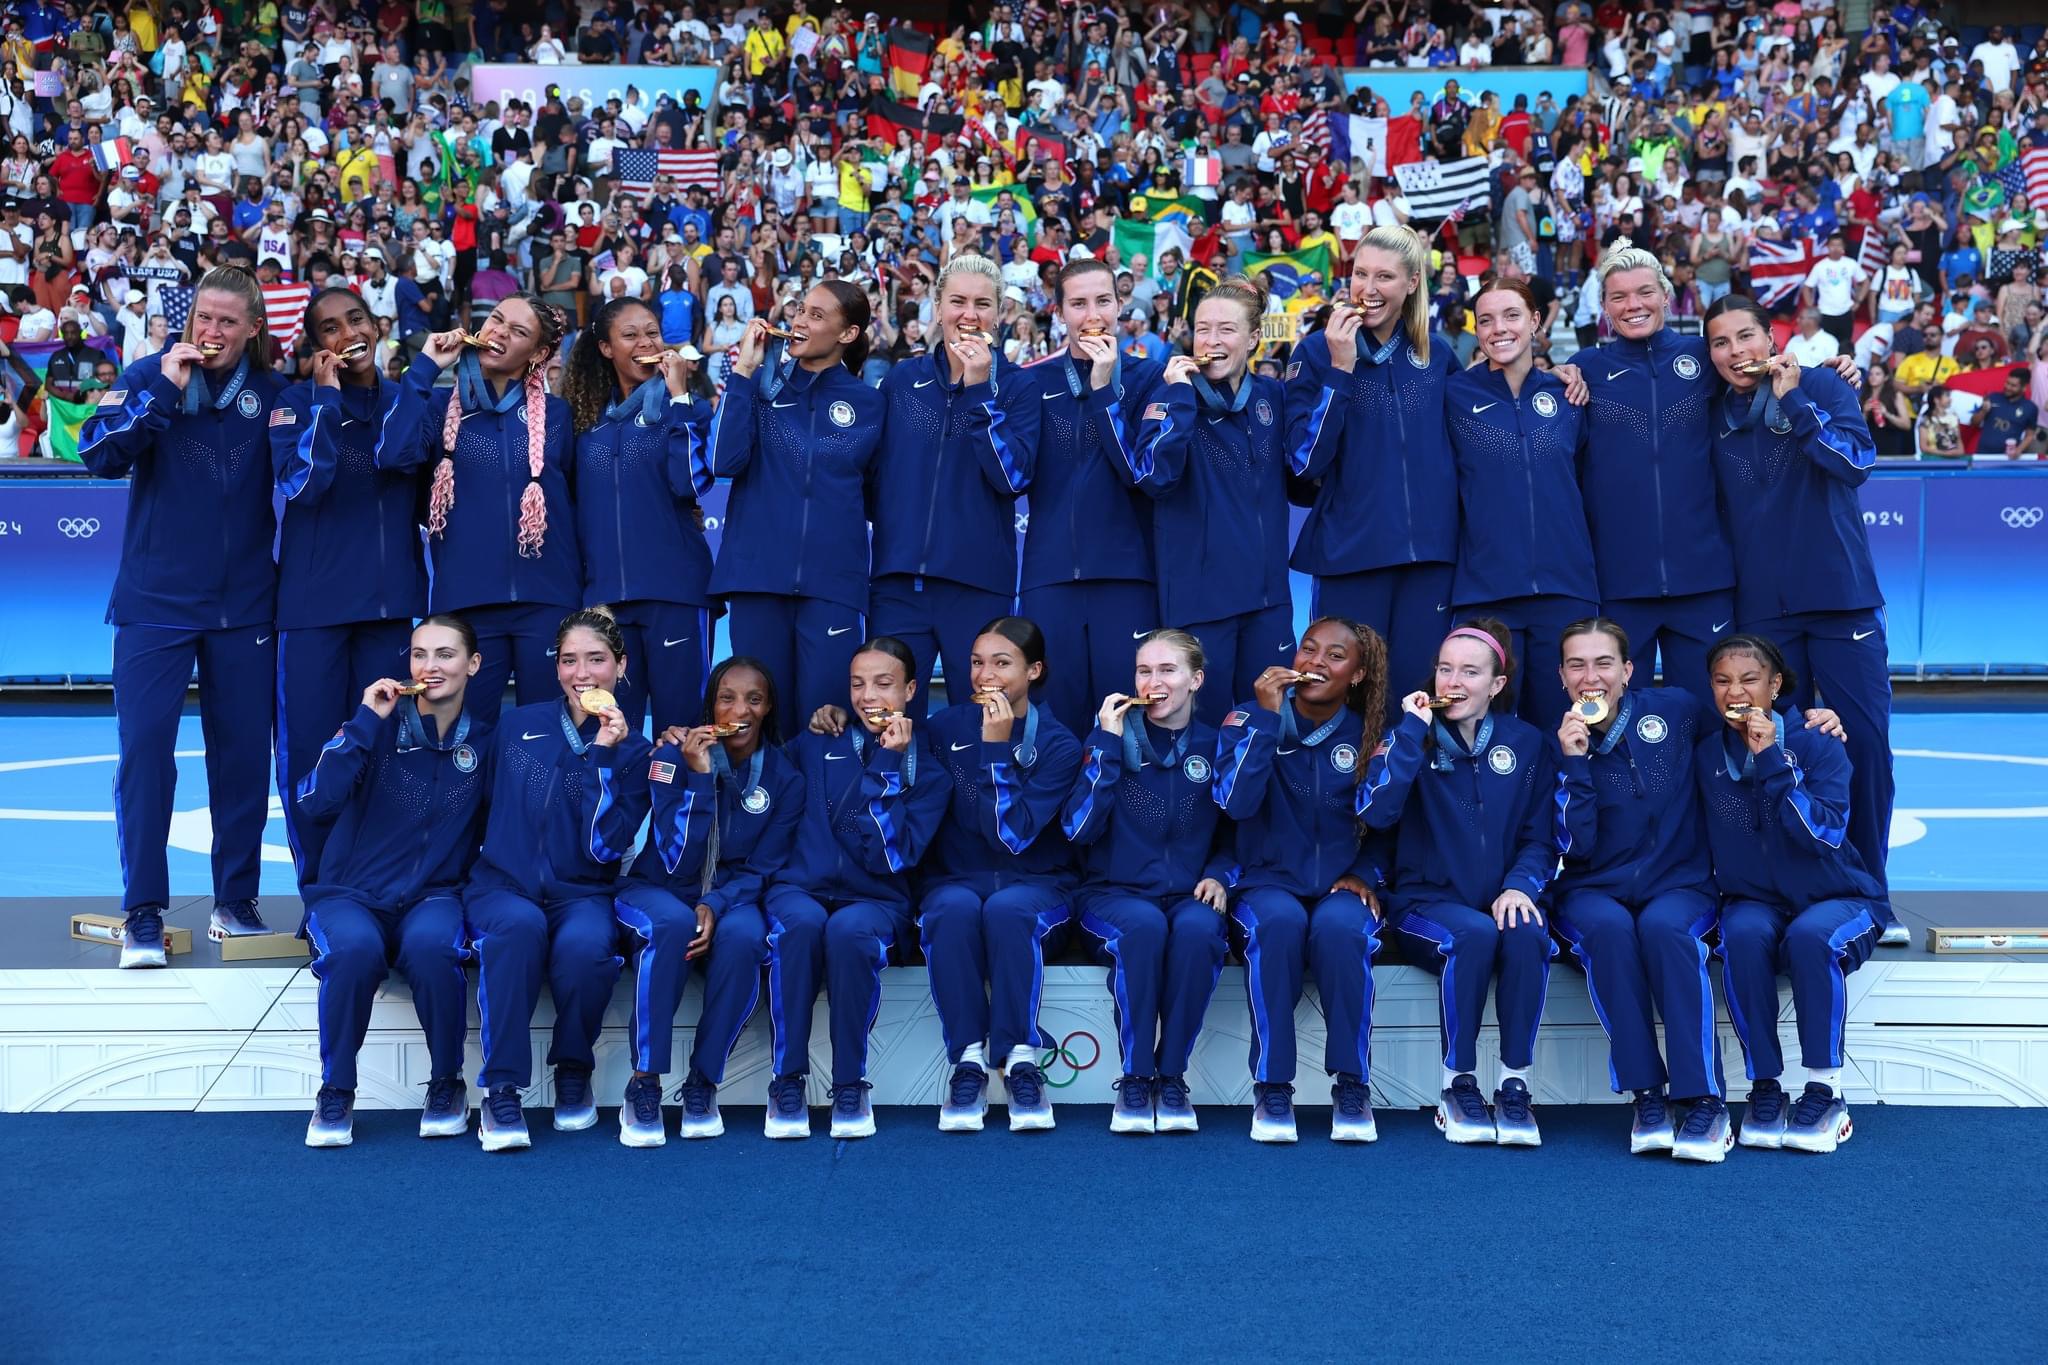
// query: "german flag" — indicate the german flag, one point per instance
point(909, 55)
point(887, 117)
point(1036, 144)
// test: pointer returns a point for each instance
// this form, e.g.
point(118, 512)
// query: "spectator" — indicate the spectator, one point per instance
point(2008, 423)
point(1810, 345)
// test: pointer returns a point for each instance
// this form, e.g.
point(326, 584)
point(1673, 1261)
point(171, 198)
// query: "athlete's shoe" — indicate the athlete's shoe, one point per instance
point(1769, 1112)
point(142, 937)
point(1895, 935)
point(1030, 1108)
point(1820, 1120)
point(1706, 1134)
point(1351, 1117)
point(1175, 1113)
point(575, 1105)
point(1134, 1109)
point(1651, 1131)
point(1461, 1113)
point(966, 1099)
point(789, 1116)
point(640, 1122)
point(1514, 1122)
point(334, 1118)
point(446, 1112)
point(853, 1114)
point(504, 1122)
point(1273, 1113)
point(235, 919)
point(701, 1118)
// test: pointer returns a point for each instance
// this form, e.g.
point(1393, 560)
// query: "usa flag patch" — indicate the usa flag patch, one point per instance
point(283, 417)
point(1237, 718)
point(661, 772)
point(1155, 413)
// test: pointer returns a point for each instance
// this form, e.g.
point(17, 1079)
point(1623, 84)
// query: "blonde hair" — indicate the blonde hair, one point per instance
point(1625, 255)
point(235, 280)
point(971, 263)
point(1413, 250)
point(1185, 644)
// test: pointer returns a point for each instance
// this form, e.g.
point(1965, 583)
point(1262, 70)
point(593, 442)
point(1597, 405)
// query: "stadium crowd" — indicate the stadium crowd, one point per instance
point(1876, 188)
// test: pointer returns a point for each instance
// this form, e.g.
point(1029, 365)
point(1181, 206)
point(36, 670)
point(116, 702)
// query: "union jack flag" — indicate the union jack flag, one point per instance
point(1777, 269)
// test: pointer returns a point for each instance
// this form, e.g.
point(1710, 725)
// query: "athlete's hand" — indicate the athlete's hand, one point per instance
point(1271, 687)
point(1100, 353)
point(1358, 888)
point(828, 720)
point(1759, 729)
point(1416, 704)
point(1511, 907)
point(1213, 894)
point(611, 727)
point(1575, 391)
point(997, 719)
point(381, 696)
point(1111, 716)
point(753, 349)
point(443, 348)
point(701, 944)
point(696, 748)
point(675, 372)
point(1573, 736)
point(1785, 373)
point(179, 358)
point(1181, 370)
point(1845, 366)
point(972, 355)
point(1342, 333)
point(1827, 722)
point(326, 369)
point(675, 734)
point(896, 734)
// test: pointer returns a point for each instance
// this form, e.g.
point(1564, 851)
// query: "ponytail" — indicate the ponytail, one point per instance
point(1413, 250)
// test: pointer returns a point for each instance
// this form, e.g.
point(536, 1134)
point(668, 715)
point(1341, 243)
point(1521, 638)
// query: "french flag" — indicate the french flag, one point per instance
point(113, 154)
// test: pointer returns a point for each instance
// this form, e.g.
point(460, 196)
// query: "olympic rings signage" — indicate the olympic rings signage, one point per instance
point(2021, 518)
point(78, 528)
point(1068, 1055)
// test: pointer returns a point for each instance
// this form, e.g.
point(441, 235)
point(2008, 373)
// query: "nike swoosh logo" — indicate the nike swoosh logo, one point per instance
point(1048, 397)
point(1720, 626)
point(1139, 634)
point(922, 383)
point(1214, 420)
point(1284, 751)
point(1483, 407)
point(1439, 606)
point(830, 757)
point(1616, 375)
point(1862, 635)
point(551, 653)
point(837, 630)
point(782, 405)
point(958, 747)
point(263, 639)
point(532, 735)
point(671, 644)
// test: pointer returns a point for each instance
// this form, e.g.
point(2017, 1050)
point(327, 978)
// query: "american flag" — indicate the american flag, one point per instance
point(1875, 251)
point(2033, 164)
point(284, 310)
point(176, 301)
point(635, 168)
point(1777, 269)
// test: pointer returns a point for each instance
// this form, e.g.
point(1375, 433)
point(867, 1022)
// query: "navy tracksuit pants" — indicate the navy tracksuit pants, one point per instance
point(152, 668)
point(1164, 955)
point(1282, 939)
point(843, 949)
point(516, 940)
point(934, 616)
point(322, 672)
point(986, 960)
point(1636, 957)
point(807, 645)
point(518, 645)
point(1465, 948)
point(1238, 649)
point(1679, 629)
point(1842, 656)
point(662, 927)
point(668, 657)
point(355, 945)
point(1092, 628)
point(1536, 628)
point(1408, 605)
point(1817, 947)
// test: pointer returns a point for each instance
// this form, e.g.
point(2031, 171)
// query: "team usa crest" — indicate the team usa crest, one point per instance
point(249, 404)
point(1501, 759)
point(755, 801)
point(1686, 367)
point(841, 413)
point(1545, 404)
point(1264, 411)
point(1651, 729)
point(465, 759)
point(1344, 758)
point(1417, 361)
point(1197, 768)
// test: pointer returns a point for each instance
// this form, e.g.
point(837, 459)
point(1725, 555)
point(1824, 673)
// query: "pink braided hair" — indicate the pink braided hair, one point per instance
point(441, 497)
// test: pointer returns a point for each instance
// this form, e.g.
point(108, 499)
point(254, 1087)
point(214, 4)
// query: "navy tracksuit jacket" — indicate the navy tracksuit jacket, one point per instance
point(1797, 898)
point(1789, 472)
point(944, 485)
point(996, 884)
point(842, 900)
point(1291, 787)
point(1148, 830)
point(350, 580)
point(639, 474)
point(1635, 896)
point(755, 814)
point(1383, 532)
point(1472, 824)
point(563, 813)
point(1088, 578)
point(401, 806)
point(197, 584)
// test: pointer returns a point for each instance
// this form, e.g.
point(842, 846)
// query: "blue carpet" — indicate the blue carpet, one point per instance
point(233, 1242)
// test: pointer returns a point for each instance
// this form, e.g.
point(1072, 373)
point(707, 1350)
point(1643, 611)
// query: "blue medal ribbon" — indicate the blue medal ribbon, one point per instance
point(1619, 726)
point(577, 743)
point(1077, 382)
point(1447, 742)
point(1762, 407)
point(199, 393)
point(1213, 400)
point(775, 372)
point(412, 731)
point(475, 390)
point(1026, 752)
point(1289, 727)
point(1748, 759)
point(1138, 750)
point(859, 733)
point(649, 398)
point(721, 768)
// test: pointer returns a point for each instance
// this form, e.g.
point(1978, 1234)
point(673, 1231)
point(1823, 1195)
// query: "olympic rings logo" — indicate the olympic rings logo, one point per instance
point(1065, 1053)
point(81, 528)
point(2021, 518)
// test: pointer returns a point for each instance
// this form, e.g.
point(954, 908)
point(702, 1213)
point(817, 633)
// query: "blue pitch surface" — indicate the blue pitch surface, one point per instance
point(1972, 805)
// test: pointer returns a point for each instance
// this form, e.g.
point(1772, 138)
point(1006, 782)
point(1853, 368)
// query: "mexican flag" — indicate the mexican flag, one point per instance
point(1132, 237)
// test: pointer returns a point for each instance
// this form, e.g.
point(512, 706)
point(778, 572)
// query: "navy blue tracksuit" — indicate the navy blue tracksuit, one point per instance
point(513, 600)
point(1523, 554)
point(793, 559)
point(349, 577)
point(563, 813)
point(1473, 824)
point(1635, 898)
point(1087, 576)
point(997, 883)
point(1796, 898)
point(1789, 473)
point(1663, 559)
point(1291, 785)
point(639, 474)
point(400, 806)
point(1216, 466)
point(743, 821)
point(196, 584)
point(1383, 534)
point(944, 485)
point(841, 903)
point(1142, 813)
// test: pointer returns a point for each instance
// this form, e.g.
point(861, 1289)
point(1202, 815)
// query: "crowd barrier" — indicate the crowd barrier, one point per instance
point(1961, 554)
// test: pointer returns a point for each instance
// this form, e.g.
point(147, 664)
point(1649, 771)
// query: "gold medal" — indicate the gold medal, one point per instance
point(1591, 707)
point(596, 699)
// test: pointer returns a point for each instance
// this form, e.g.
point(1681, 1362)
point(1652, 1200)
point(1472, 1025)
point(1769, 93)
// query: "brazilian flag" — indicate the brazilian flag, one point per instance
point(1285, 271)
point(1162, 208)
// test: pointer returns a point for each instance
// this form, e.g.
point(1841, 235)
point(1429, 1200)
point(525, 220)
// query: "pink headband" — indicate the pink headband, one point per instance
point(1491, 643)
